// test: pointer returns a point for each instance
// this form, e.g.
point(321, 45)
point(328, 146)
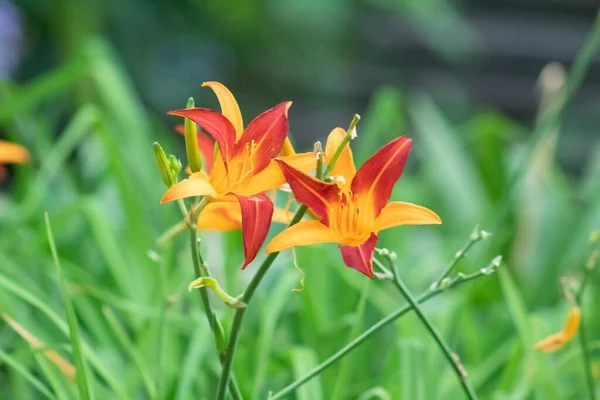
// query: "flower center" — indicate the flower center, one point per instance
point(348, 221)
point(240, 170)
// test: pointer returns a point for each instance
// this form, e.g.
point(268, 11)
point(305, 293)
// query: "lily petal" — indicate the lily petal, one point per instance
point(302, 234)
point(206, 145)
point(229, 106)
point(344, 165)
point(398, 213)
point(215, 124)
point(360, 257)
point(12, 153)
point(265, 136)
point(282, 215)
point(557, 340)
point(220, 216)
point(195, 185)
point(272, 178)
point(319, 196)
point(257, 212)
point(375, 179)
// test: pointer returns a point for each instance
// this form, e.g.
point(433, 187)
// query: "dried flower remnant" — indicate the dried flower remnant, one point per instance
point(557, 340)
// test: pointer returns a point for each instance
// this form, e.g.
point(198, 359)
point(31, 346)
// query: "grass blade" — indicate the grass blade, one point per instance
point(80, 376)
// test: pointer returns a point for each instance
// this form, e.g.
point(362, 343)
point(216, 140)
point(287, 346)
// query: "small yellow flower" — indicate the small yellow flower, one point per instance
point(11, 153)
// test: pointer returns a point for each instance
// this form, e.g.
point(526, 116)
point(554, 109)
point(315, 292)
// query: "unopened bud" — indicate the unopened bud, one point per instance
point(191, 142)
point(497, 261)
point(219, 333)
point(175, 166)
point(393, 256)
point(163, 165)
point(485, 235)
point(445, 283)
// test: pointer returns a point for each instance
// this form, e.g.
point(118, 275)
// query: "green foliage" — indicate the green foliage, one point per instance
point(142, 335)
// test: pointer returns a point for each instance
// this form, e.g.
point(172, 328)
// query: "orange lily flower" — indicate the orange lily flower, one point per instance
point(242, 171)
point(11, 153)
point(354, 208)
point(557, 340)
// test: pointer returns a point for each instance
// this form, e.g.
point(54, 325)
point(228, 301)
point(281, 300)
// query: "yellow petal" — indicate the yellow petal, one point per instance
point(12, 153)
point(195, 185)
point(287, 149)
point(229, 106)
point(344, 165)
point(301, 234)
point(557, 340)
point(272, 178)
point(398, 213)
point(221, 216)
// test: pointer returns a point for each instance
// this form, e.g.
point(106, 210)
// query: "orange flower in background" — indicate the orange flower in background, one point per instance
point(243, 169)
point(354, 208)
point(557, 340)
point(11, 153)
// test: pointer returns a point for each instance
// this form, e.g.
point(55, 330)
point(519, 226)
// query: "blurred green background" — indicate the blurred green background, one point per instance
point(86, 85)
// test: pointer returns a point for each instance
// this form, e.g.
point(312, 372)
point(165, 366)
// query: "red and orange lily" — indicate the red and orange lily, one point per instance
point(243, 169)
point(11, 153)
point(354, 208)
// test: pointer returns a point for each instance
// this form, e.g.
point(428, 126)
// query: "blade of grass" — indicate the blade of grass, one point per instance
point(304, 360)
point(81, 375)
point(41, 305)
point(22, 370)
point(129, 347)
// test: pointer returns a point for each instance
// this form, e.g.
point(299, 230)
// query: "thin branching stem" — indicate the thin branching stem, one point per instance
point(428, 294)
point(452, 357)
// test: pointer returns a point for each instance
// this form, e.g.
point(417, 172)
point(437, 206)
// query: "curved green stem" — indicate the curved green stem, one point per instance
point(452, 357)
point(196, 259)
point(367, 334)
point(239, 313)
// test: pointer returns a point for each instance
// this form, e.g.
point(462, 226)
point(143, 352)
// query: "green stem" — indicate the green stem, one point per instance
point(475, 237)
point(367, 334)
point(585, 351)
point(239, 313)
point(452, 357)
point(343, 144)
point(196, 259)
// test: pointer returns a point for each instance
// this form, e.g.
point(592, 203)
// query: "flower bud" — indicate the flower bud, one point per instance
point(219, 333)
point(191, 142)
point(163, 165)
point(217, 290)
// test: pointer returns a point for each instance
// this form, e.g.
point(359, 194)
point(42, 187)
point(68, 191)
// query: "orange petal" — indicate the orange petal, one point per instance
point(375, 179)
point(272, 178)
point(344, 165)
point(221, 216)
point(399, 213)
point(229, 106)
point(265, 135)
point(557, 340)
point(302, 234)
point(257, 212)
point(12, 153)
point(287, 149)
point(195, 185)
point(360, 257)
point(215, 124)
point(320, 197)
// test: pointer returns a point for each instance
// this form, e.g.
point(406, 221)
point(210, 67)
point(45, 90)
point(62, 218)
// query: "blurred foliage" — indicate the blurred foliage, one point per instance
point(90, 127)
